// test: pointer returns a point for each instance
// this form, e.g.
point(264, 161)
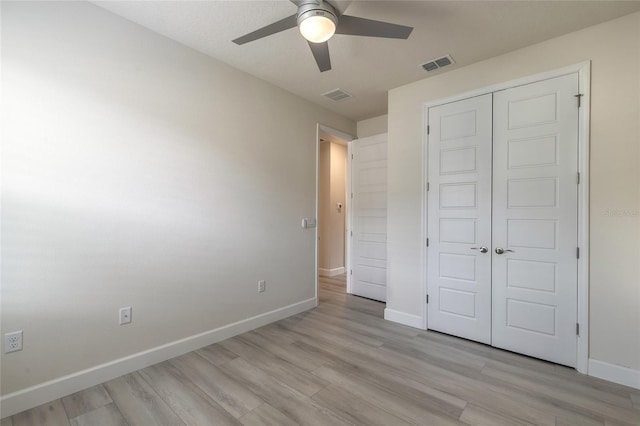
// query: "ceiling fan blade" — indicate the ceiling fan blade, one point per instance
point(352, 25)
point(276, 27)
point(321, 54)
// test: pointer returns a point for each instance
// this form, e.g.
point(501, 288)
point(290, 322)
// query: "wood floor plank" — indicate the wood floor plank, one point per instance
point(51, 414)
point(560, 383)
point(574, 419)
point(289, 353)
point(406, 409)
point(635, 399)
point(187, 400)
point(84, 401)
point(223, 389)
point(216, 354)
point(7, 421)
point(107, 415)
point(139, 403)
point(393, 366)
point(299, 379)
point(266, 415)
point(589, 406)
point(355, 409)
point(478, 416)
point(293, 404)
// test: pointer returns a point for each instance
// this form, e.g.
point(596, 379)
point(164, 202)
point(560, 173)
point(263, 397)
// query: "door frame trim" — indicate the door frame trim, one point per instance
point(583, 69)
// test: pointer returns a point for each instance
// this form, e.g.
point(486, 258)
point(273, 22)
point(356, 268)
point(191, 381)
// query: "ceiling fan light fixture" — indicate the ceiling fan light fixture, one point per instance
point(317, 28)
point(317, 20)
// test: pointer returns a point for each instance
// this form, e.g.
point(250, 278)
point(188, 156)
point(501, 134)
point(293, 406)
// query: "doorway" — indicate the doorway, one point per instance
point(503, 218)
point(333, 178)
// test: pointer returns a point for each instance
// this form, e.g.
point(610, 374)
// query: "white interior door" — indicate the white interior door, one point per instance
point(369, 217)
point(459, 223)
point(535, 204)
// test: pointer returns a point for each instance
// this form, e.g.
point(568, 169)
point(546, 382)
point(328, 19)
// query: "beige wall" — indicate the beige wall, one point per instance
point(324, 198)
point(136, 171)
point(614, 49)
point(372, 126)
point(332, 190)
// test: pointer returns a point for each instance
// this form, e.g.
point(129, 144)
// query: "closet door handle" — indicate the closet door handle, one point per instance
point(500, 250)
point(482, 249)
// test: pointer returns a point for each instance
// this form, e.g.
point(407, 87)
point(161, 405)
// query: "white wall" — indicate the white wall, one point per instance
point(614, 49)
point(136, 171)
point(372, 126)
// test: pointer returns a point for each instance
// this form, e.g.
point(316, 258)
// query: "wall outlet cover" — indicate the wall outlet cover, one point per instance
point(13, 341)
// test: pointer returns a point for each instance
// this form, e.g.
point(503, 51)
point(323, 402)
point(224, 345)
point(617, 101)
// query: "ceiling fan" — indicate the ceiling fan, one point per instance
point(318, 21)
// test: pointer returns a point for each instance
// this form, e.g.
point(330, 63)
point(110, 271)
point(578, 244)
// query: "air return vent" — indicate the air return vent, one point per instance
point(338, 95)
point(435, 64)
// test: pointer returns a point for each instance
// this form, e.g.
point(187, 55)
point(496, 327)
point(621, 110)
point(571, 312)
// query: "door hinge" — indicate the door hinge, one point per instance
point(577, 252)
point(578, 178)
point(351, 233)
point(428, 186)
point(427, 242)
point(579, 97)
point(428, 129)
point(352, 195)
point(352, 156)
point(577, 329)
point(427, 299)
point(351, 272)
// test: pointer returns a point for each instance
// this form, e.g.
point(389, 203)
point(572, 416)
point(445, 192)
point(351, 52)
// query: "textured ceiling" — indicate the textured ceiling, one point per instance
point(366, 67)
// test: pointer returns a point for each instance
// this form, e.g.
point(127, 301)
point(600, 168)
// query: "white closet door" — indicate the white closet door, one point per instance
point(459, 223)
point(369, 217)
point(535, 160)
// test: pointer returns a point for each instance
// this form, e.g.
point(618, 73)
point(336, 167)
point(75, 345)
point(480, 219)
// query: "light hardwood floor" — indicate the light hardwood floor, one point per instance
point(342, 364)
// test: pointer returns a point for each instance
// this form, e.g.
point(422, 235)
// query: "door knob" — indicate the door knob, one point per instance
point(482, 249)
point(500, 250)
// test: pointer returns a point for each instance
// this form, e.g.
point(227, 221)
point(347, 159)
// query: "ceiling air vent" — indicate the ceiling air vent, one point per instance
point(435, 64)
point(338, 95)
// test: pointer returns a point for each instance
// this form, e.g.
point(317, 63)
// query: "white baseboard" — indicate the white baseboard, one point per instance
point(331, 272)
point(24, 399)
point(614, 373)
point(414, 321)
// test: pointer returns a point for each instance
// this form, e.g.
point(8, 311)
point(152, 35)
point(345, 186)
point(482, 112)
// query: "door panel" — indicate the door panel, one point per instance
point(535, 160)
point(459, 199)
point(369, 218)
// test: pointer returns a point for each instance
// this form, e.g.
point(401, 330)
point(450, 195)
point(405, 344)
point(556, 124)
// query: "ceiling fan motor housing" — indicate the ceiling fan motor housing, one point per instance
point(317, 8)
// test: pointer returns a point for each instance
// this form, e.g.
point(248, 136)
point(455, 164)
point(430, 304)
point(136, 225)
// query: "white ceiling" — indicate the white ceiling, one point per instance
point(366, 67)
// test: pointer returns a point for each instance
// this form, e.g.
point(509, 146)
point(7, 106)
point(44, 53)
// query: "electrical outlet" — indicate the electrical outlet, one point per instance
point(262, 284)
point(13, 342)
point(125, 315)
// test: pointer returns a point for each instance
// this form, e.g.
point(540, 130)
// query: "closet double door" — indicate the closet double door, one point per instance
point(502, 219)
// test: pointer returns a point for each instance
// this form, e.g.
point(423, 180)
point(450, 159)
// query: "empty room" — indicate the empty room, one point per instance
point(309, 212)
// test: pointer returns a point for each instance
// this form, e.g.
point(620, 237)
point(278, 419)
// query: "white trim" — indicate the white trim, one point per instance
point(584, 83)
point(424, 219)
point(403, 318)
point(331, 272)
point(349, 219)
point(614, 373)
point(584, 117)
point(42, 393)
